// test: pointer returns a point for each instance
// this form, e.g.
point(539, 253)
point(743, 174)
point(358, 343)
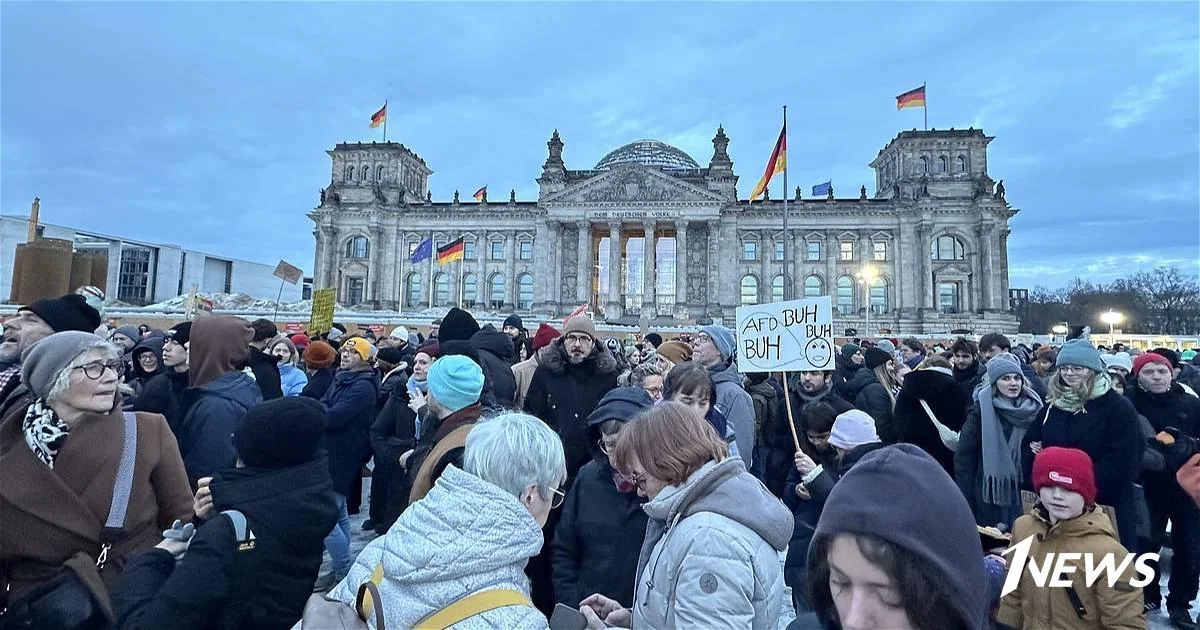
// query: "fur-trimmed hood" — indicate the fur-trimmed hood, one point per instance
point(600, 361)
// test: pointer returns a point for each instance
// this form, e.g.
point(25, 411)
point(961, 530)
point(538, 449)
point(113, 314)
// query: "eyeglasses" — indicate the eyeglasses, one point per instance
point(95, 369)
point(701, 338)
point(639, 480)
point(1072, 369)
point(581, 340)
point(557, 498)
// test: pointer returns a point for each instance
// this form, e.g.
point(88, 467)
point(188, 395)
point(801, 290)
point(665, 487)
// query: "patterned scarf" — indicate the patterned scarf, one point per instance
point(44, 432)
point(1068, 400)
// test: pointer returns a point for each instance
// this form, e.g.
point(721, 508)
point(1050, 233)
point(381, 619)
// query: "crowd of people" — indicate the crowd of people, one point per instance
point(197, 477)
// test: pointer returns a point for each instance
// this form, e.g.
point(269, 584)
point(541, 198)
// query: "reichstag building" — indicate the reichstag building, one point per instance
point(649, 235)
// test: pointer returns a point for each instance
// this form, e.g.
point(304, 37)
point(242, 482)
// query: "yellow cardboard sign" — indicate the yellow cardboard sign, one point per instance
point(322, 311)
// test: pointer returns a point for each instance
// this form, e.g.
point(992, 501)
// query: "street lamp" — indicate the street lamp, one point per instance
point(1112, 318)
point(867, 276)
point(1060, 329)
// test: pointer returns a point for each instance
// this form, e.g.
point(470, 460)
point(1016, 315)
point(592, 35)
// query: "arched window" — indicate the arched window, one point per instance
point(924, 164)
point(470, 291)
point(946, 248)
point(496, 297)
point(441, 290)
point(366, 172)
point(525, 292)
point(379, 173)
point(412, 290)
point(358, 247)
point(812, 286)
point(879, 295)
point(845, 295)
point(960, 164)
point(942, 164)
point(777, 288)
point(349, 175)
point(749, 290)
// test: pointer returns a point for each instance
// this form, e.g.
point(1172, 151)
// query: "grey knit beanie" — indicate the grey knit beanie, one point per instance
point(1001, 364)
point(45, 360)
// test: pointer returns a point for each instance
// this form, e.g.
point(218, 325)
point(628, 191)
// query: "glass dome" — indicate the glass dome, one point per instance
point(649, 153)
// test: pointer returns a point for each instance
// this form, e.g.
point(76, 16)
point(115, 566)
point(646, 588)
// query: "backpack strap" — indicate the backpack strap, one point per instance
point(472, 605)
point(122, 488)
point(241, 531)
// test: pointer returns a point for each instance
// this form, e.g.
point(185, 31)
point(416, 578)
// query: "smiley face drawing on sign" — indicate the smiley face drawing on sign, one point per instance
point(818, 352)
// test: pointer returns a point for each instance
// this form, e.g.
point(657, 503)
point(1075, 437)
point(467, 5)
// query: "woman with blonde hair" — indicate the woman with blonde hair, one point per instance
point(1085, 413)
point(291, 376)
point(710, 558)
point(875, 388)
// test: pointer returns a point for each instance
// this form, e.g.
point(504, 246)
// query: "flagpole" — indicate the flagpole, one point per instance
point(433, 252)
point(403, 282)
point(924, 108)
point(786, 192)
point(385, 117)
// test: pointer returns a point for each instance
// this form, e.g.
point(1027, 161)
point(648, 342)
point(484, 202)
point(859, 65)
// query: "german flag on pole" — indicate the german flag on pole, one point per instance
point(777, 164)
point(450, 252)
point(481, 194)
point(379, 117)
point(911, 98)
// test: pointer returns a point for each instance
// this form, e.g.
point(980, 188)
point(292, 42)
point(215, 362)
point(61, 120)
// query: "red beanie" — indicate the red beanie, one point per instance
point(300, 340)
point(544, 335)
point(1146, 358)
point(1068, 468)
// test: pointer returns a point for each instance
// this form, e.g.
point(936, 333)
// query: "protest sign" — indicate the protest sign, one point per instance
point(786, 336)
point(322, 311)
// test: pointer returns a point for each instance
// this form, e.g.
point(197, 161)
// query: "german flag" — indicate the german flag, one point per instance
point(450, 252)
point(911, 98)
point(379, 117)
point(481, 194)
point(777, 164)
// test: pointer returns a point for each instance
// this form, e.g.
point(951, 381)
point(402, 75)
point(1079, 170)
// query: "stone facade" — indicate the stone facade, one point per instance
point(928, 251)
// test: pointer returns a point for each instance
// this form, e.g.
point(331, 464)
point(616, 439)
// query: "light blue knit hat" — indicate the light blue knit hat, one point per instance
point(722, 338)
point(455, 382)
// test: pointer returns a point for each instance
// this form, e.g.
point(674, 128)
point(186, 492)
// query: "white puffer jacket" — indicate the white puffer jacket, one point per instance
point(465, 536)
point(710, 559)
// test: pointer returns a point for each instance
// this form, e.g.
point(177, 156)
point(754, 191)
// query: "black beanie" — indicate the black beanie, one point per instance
point(874, 357)
point(390, 355)
point(180, 333)
point(281, 433)
point(655, 339)
point(457, 325)
point(69, 312)
point(514, 321)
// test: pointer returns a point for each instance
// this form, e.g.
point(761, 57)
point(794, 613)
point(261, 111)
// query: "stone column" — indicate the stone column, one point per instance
point(583, 285)
point(926, 283)
point(615, 307)
point(331, 261)
point(482, 250)
point(681, 263)
point(766, 256)
point(832, 256)
point(511, 271)
point(712, 277)
point(798, 251)
point(319, 259)
point(650, 271)
point(430, 268)
point(986, 267)
point(1003, 254)
point(375, 266)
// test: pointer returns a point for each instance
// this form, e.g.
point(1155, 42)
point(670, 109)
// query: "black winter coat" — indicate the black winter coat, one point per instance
point(205, 434)
point(563, 395)
point(319, 382)
point(393, 433)
point(266, 373)
point(949, 401)
point(1107, 430)
point(1174, 408)
point(970, 378)
point(869, 395)
point(496, 358)
point(216, 585)
point(350, 408)
point(597, 542)
point(164, 395)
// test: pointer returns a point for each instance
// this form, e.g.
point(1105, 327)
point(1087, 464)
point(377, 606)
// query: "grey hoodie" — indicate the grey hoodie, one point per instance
point(710, 558)
point(737, 406)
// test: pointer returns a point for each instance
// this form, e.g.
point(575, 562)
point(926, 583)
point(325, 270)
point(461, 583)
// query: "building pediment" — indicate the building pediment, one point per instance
point(632, 183)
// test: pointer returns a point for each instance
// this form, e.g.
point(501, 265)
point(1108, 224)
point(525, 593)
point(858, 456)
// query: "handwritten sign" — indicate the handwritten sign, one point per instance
point(288, 272)
point(790, 336)
point(322, 311)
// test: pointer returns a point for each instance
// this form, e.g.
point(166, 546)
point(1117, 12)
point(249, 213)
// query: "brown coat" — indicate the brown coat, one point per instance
point(49, 515)
point(523, 374)
point(1031, 606)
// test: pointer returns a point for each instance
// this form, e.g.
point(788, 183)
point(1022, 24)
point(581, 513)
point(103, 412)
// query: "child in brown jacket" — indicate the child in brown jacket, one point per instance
point(1066, 519)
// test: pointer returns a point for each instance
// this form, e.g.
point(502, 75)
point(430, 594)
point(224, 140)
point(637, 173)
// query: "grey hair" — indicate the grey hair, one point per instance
point(514, 450)
point(63, 380)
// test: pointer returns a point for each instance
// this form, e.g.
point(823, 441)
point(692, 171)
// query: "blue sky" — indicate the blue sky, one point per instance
point(205, 124)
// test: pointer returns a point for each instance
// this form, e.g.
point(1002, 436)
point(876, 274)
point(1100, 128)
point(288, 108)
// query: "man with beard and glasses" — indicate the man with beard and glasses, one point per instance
point(806, 389)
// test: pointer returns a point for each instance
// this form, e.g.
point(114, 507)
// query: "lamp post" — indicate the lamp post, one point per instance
point(867, 276)
point(1060, 329)
point(1112, 318)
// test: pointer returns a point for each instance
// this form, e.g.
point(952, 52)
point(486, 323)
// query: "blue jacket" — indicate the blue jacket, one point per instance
point(350, 407)
point(292, 378)
point(205, 433)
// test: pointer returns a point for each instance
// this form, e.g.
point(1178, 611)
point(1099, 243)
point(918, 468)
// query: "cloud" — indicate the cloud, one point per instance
point(1138, 101)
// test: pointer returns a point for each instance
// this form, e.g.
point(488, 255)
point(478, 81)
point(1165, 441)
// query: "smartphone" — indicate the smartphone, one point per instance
point(567, 618)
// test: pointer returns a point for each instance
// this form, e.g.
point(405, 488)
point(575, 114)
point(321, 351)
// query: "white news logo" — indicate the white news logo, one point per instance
point(1056, 568)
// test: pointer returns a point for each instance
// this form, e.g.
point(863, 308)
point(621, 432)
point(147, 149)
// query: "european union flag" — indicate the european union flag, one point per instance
point(423, 251)
point(821, 190)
